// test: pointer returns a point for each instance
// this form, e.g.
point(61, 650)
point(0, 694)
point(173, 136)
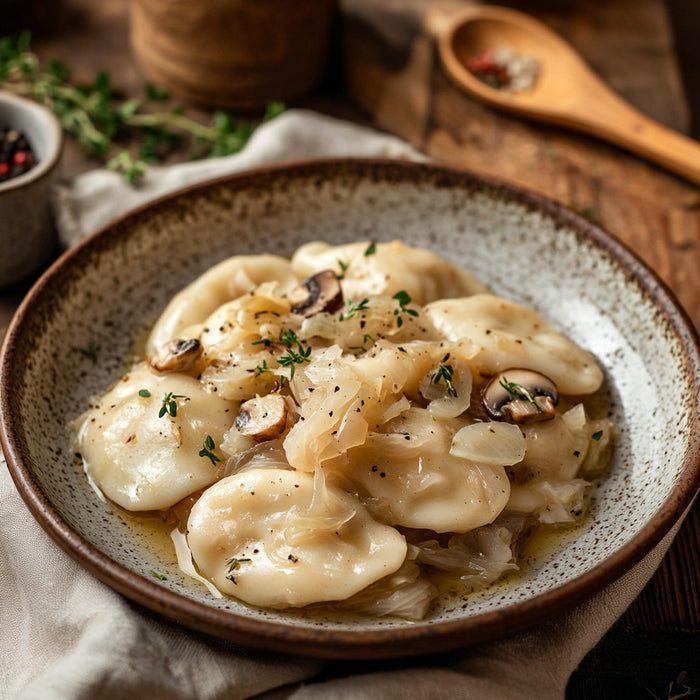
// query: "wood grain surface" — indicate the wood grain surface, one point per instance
point(384, 71)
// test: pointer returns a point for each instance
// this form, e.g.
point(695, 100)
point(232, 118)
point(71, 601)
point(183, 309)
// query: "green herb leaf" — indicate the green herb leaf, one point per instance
point(444, 373)
point(518, 390)
point(597, 435)
point(144, 393)
point(232, 565)
point(292, 358)
point(404, 299)
point(125, 134)
point(208, 450)
point(353, 308)
point(261, 369)
point(90, 352)
point(371, 249)
point(169, 404)
point(155, 574)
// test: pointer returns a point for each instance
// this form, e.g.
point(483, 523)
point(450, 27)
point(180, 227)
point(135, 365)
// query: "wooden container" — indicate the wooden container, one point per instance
point(233, 53)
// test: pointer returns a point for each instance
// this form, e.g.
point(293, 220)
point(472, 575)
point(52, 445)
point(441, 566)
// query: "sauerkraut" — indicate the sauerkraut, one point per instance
point(349, 426)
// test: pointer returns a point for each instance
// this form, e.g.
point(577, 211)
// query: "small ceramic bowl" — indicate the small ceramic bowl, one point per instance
point(27, 233)
point(106, 290)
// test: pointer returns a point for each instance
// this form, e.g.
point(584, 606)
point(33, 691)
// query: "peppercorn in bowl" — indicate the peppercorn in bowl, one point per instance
point(31, 143)
point(293, 249)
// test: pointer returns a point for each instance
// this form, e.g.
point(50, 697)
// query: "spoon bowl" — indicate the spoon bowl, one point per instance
point(566, 91)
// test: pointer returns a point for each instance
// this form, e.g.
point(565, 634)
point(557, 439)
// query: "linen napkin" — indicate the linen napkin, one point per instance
point(65, 635)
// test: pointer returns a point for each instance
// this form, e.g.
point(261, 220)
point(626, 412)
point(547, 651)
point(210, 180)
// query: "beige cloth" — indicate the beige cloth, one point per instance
point(64, 635)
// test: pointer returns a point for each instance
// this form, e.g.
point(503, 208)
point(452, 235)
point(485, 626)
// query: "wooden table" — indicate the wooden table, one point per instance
point(384, 71)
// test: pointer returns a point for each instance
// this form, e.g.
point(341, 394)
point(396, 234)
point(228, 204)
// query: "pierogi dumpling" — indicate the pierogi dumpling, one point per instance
point(348, 423)
point(142, 460)
point(278, 538)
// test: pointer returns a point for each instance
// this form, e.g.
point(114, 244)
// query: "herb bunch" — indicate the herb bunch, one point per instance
point(124, 134)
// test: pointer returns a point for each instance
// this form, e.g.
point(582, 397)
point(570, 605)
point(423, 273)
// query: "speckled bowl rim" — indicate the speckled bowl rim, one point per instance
point(375, 643)
point(51, 160)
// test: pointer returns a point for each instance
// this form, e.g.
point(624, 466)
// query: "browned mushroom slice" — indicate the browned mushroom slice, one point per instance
point(177, 356)
point(320, 292)
point(520, 396)
point(263, 418)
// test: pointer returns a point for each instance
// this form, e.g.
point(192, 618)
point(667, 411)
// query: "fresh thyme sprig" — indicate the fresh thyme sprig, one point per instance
point(404, 299)
point(125, 135)
point(353, 308)
point(208, 450)
point(295, 357)
point(232, 565)
point(343, 268)
point(516, 389)
point(444, 373)
point(361, 349)
point(90, 351)
point(169, 404)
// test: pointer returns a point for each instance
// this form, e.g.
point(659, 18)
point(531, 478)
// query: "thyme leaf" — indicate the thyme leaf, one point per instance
point(343, 268)
point(353, 308)
point(169, 404)
point(232, 565)
point(208, 450)
point(90, 351)
point(444, 373)
point(516, 389)
point(295, 357)
point(404, 299)
point(371, 249)
point(125, 134)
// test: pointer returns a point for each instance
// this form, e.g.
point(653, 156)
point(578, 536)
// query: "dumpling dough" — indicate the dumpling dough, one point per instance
point(512, 335)
point(295, 543)
point(226, 281)
point(393, 267)
point(145, 462)
point(412, 479)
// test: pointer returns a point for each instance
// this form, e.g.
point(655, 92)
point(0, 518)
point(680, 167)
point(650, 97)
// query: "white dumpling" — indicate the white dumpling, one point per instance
point(391, 268)
point(512, 335)
point(223, 282)
point(143, 461)
point(279, 538)
point(412, 479)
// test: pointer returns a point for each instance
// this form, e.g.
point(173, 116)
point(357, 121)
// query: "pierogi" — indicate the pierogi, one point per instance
point(352, 426)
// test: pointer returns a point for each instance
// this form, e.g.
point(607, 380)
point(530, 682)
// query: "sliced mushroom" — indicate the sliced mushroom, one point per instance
point(320, 292)
point(263, 418)
point(520, 395)
point(177, 356)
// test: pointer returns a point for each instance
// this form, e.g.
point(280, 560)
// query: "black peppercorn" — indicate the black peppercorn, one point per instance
point(16, 155)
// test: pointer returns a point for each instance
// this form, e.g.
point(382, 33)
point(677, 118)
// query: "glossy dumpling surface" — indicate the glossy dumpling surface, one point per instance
point(280, 538)
point(145, 461)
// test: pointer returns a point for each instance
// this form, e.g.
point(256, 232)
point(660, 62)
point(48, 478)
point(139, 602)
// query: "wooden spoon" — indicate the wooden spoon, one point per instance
point(566, 91)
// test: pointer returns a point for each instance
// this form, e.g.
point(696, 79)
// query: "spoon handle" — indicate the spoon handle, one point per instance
point(611, 118)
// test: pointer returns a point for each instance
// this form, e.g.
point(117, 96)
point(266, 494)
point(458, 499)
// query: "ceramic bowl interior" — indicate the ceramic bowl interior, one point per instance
point(106, 290)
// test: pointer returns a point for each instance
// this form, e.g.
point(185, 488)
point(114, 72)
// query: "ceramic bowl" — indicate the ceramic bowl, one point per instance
point(106, 290)
point(27, 234)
